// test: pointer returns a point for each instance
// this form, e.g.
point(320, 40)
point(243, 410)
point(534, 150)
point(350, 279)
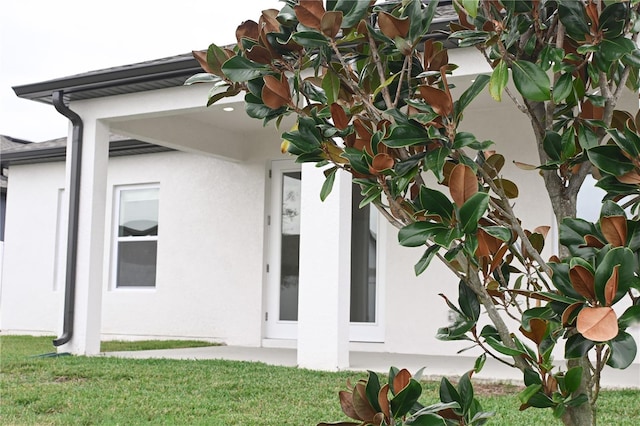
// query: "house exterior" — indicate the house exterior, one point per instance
point(218, 236)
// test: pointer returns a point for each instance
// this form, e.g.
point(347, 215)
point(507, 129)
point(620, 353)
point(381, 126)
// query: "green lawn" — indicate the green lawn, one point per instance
point(81, 390)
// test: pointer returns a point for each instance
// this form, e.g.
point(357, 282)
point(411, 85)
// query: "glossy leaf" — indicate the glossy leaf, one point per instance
point(610, 159)
point(416, 234)
point(327, 186)
point(622, 259)
point(241, 69)
point(598, 324)
point(499, 80)
point(392, 26)
point(472, 210)
point(623, 351)
point(468, 301)
point(352, 11)
point(372, 390)
point(463, 184)
point(405, 135)
point(309, 13)
point(583, 281)
point(435, 202)
point(572, 379)
point(630, 317)
point(426, 259)
point(574, 18)
point(531, 81)
point(406, 398)
point(500, 347)
point(563, 88)
point(577, 346)
point(465, 389)
point(471, 93)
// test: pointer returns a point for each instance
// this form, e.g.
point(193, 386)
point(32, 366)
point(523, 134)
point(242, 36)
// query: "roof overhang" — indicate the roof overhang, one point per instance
point(150, 75)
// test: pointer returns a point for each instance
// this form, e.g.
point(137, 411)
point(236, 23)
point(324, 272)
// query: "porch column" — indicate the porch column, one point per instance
point(325, 250)
point(91, 234)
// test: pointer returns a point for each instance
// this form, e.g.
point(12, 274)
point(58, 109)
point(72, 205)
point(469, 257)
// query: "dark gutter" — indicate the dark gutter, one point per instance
point(74, 208)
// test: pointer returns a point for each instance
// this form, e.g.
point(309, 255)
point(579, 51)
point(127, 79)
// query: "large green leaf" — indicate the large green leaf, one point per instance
point(405, 398)
point(448, 393)
point(240, 69)
point(628, 140)
point(614, 49)
point(416, 234)
point(403, 135)
point(426, 259)
point(435, 160)
point(427, 419)
point(574, 18)
point(577, 346)
point(468, 301)
point(352, 11)
point(310, 39)
point(531, 81)
point(572, 379)
point(372, 389)
point(623, 258)
point(563, 88)
point(470, 94)
point(435, 202)
point(500, 347)
point(499, 80)
point(613, 19)
point(465, 389)
point(472, 210)
point(630, 317)
point(610, 159)
point(623, 351)
point(328, 183)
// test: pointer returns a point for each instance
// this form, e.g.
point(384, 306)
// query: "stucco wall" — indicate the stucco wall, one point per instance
point(29, 301)
point(210, 249)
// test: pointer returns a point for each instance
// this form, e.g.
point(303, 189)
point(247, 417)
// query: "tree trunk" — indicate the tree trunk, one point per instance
point(564, 199)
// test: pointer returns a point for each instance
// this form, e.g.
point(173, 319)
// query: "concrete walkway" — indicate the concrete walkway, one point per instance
point(435, 366)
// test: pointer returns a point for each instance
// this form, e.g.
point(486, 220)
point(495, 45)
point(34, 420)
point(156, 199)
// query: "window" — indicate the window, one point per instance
point(364, 228)
point(136, 241)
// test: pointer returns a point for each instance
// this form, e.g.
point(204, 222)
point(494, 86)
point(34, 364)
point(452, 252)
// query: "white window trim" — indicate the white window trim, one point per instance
point(115, 238)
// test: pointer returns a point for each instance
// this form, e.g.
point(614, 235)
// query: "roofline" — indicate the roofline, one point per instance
point(164, 72)
point(116, 149)
point(180, 66)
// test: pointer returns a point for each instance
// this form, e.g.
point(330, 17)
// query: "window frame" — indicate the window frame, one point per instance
point(116, 238)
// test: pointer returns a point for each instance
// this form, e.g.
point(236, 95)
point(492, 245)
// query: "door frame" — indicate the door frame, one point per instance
point(288, 330)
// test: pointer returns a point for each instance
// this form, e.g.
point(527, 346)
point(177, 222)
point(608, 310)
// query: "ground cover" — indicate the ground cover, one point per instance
point(148, 345)
point(102, 390)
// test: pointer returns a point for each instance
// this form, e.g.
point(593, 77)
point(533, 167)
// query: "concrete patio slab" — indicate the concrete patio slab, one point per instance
point(434, 366)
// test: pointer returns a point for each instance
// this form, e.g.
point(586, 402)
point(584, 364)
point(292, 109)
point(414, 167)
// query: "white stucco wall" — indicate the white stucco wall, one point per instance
point(29, 301)
point(210, 250)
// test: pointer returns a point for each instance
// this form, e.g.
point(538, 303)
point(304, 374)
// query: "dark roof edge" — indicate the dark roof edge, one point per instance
point(116, 149)
point(178, 66)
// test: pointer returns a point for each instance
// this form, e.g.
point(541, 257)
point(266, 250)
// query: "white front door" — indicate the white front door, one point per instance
point(281, 313)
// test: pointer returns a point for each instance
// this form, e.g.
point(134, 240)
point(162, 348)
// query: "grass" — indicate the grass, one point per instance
point(101, 390)
point(147, 345)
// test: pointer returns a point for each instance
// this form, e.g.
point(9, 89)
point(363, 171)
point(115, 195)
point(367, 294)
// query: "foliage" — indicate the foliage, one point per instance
point(368, 84)
point(369, 402)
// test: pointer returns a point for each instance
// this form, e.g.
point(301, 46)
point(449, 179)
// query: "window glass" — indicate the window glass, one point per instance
point(136, 248)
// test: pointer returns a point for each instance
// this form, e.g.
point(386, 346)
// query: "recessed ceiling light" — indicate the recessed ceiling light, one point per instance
point(228, 109)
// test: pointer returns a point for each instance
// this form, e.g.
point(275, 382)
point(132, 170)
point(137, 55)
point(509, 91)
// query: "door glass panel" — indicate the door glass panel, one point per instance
point(364, 227)
point(290, 246)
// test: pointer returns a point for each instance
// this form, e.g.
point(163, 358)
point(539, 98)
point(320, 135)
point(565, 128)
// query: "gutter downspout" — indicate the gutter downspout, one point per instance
point(74, 207)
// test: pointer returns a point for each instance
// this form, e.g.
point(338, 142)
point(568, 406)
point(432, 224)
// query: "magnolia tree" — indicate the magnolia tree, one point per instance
point(368, 86)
